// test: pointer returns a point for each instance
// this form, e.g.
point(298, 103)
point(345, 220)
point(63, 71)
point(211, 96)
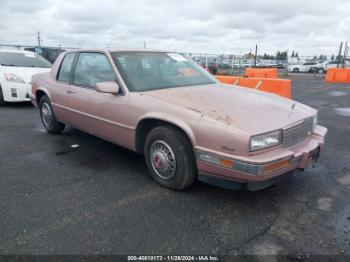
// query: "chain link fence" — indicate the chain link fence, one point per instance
point(233, 64)
point(226, 64)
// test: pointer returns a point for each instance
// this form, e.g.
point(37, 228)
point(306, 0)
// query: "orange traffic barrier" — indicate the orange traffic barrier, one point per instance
point(261, 72)
point(227, 79)
point(338, 75)
point(280, 87)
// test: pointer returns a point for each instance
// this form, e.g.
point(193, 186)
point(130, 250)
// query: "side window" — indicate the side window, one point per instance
point(65, 68)
point(92, 68)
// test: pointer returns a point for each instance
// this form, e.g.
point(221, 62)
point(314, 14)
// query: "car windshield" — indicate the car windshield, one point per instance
point(23, 60)
point(146, 71)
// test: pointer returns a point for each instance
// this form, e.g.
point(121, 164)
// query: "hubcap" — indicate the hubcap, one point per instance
point(163, 159)
point(46, 114)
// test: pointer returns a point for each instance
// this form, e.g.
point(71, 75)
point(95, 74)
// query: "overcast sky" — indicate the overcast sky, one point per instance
point(219, 26)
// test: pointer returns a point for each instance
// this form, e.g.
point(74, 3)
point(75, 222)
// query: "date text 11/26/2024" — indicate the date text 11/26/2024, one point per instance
point(173, 258)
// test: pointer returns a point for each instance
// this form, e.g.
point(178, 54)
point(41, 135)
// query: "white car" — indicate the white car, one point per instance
point(16, 70)
point(334, 64)
point(305, 67)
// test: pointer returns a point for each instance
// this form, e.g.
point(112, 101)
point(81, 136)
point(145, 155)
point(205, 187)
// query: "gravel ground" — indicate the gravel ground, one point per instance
point(97, 198)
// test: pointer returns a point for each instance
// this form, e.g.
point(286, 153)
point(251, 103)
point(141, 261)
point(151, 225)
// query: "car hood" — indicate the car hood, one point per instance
point(25, 73)
point(248, 110)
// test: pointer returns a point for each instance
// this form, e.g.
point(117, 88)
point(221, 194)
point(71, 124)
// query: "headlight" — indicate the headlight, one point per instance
point(265, 140)
point(13, 78)
point(315, 118)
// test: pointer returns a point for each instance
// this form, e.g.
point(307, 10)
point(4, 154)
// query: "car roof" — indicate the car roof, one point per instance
point(16, 51)
point(111, 50)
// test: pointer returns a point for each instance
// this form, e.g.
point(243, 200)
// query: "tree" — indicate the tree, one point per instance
point(278, 55)
point(268, 57)
point(324, 57)
point(332, 58)
point(339, 57)
point(293, 53)
point(321, 57)
point(297, 55)
point(282, 55)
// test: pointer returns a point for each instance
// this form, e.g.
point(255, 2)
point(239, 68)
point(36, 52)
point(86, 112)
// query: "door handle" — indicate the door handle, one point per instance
point(71, 92)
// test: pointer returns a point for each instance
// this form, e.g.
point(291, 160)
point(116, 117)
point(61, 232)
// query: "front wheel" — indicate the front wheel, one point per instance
point(170, 158)
point(321, 71)
point(50, 122)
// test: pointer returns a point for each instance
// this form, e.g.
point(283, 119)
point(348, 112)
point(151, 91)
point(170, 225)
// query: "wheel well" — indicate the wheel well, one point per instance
point(146, 125)
point(38, 95)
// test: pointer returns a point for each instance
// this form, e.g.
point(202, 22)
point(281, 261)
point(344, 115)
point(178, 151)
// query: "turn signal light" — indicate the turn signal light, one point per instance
point(226, 162)
point(277, 165)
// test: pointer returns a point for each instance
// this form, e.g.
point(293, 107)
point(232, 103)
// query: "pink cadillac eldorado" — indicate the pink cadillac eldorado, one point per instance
point(188, 125)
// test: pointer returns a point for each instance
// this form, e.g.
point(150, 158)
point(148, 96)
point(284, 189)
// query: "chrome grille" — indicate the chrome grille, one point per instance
point(297, 133)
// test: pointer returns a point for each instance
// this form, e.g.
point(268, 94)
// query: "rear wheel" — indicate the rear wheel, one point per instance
point(296, 70)
point(50, 122)
point(170, 158)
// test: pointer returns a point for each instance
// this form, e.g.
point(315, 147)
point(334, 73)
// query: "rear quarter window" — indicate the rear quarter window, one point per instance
point(66, 67)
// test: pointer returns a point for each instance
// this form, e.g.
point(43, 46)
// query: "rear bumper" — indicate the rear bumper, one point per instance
point(15, 92)
point(294, 157)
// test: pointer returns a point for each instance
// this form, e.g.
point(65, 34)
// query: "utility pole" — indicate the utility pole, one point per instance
point(345, 52)
point(340, 49)
point(233, 58)
point(256, 54)
point(39, 40)
point(144, 45)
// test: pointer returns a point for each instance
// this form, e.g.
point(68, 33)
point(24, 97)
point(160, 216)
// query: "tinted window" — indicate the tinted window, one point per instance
point(92, 68)
point(145, 71)
point(66, 67)
point(23, 60)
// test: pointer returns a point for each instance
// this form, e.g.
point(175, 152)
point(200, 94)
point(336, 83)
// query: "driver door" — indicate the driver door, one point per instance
point(101, 114)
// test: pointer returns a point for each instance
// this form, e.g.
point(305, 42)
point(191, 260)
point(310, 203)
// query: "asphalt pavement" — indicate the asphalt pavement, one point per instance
point(77, 194)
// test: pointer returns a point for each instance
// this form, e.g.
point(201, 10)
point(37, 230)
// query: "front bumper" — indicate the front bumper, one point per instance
point(16, 92)
point(271, 164)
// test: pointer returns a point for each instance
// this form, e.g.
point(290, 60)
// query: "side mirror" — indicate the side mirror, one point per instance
point(107, 87)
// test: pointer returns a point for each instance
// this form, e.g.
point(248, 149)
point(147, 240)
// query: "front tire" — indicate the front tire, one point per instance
point(321, 71)
point(169, 157)
point(295, 70)
point(48, 118)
